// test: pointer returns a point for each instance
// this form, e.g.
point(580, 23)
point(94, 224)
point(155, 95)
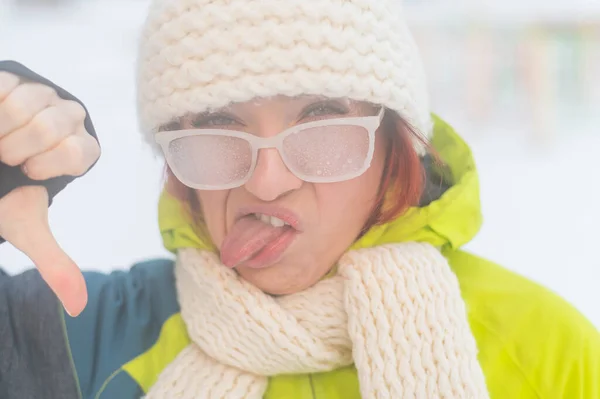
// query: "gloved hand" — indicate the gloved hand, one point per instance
point(43, 137)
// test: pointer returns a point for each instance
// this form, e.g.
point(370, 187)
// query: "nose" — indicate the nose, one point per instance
point(271, 179)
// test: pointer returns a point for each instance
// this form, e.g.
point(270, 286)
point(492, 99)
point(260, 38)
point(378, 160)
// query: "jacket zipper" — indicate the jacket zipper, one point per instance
point(312, 386)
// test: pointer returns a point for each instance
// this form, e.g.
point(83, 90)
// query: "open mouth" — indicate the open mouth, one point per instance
point(258, 240)
point(272, 220)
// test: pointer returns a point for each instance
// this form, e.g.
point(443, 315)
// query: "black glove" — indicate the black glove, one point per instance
point(12, 177)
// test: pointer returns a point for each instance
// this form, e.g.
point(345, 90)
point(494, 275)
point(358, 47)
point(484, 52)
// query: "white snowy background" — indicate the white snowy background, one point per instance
point(540, 193)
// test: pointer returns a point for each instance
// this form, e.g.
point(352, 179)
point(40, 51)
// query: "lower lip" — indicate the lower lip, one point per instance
point(272, 252)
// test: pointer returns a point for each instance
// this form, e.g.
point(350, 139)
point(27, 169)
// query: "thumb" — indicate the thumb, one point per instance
point(24, 223)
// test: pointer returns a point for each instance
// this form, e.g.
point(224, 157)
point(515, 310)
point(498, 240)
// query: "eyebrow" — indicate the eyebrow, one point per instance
point(170, 126)
point(177, 124)
point(223, 110)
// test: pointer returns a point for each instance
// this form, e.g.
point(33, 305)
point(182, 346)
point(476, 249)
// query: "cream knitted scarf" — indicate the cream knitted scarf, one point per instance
point(394, 311)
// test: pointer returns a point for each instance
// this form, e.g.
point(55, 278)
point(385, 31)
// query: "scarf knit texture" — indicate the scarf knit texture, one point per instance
point(394, 311)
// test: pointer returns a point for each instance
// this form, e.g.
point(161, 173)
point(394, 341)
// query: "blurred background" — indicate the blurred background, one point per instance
point(520, 79)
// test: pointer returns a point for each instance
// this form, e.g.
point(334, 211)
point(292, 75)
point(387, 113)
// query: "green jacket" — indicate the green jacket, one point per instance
point(532, 344)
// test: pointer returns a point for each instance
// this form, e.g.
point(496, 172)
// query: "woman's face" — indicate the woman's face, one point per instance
point(325, 218)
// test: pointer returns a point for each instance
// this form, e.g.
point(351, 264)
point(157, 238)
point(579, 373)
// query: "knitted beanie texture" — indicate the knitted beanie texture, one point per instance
point(198, 55)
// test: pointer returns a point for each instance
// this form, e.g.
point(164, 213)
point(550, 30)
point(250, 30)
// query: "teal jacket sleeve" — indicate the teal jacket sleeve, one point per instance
point(46, 354)
point(123, 319)
point(34, 357)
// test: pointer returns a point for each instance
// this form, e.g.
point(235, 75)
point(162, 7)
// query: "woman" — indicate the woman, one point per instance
point(316, 211)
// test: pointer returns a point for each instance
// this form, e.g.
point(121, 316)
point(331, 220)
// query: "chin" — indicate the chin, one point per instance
point(278, 279)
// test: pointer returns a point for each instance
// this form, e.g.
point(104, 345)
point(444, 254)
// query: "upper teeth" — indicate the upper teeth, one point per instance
point(272, 220)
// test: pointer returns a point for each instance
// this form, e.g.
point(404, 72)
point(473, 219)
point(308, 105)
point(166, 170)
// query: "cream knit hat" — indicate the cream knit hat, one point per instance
point(197, 55)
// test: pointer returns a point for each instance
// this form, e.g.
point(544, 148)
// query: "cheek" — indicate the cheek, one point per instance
point(214, 211)
point(346, 206)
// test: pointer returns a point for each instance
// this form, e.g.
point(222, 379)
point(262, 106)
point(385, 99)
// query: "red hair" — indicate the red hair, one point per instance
point(403, 176)
point(401, 184)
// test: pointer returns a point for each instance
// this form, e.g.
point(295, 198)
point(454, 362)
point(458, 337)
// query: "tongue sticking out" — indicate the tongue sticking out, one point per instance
point(248, 237)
